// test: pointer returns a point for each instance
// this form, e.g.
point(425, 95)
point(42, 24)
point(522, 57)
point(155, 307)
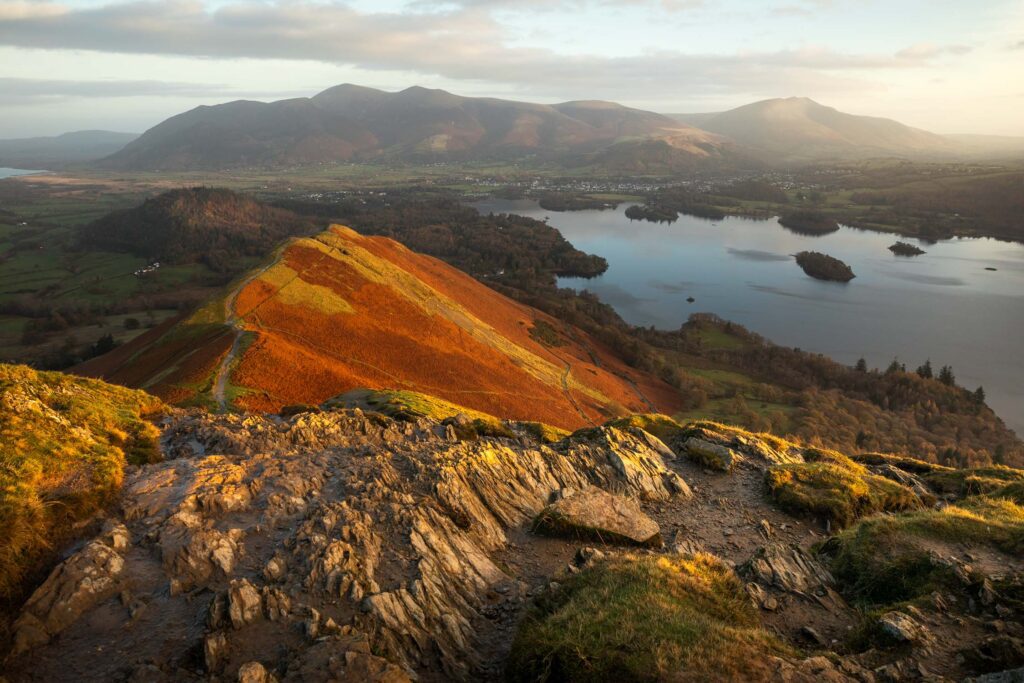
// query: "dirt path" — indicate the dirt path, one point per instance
point(230, 318)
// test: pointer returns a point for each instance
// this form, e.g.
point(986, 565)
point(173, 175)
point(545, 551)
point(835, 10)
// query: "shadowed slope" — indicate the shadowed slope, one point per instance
point(352, 123)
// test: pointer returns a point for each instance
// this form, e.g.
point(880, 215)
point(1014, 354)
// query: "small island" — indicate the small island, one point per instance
point(806, 222)
point(564, 201)
point(824, 267)
point(906, 249)
point(654, 214)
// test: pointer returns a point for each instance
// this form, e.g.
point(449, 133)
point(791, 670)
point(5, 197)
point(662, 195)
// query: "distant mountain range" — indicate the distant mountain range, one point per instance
point(800, 128)
point(69, 148)
point(351, 123)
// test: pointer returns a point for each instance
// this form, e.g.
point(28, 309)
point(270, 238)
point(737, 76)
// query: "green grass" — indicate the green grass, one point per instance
point(715, 338)
point(973, 480)
point(833, 486)
point(885, 559)
point(64, 442)
point(644, 618)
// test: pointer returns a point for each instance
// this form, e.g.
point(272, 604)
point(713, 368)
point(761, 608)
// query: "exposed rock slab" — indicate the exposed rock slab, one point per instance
point(595, 514)
point(273, 543)
point(85, 579)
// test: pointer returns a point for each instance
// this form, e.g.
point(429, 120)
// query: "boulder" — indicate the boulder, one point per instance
point(902, 627)
point(711, 455)
point(596, 514)
point(244, 603)
point(254, 672)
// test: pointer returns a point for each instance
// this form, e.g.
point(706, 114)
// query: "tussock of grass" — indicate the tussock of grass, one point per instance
point(907, 464)
point(544, 433)
point(410, 405)
point(974, 480)
point(886, 559)
point(64, 442)
point(834, 486)
point(640, 618)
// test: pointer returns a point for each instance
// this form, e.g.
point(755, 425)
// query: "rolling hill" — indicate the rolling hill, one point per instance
point(211, 225)
point(340, 311)
point(61, 150)
point(352, 123)
point(799, 128)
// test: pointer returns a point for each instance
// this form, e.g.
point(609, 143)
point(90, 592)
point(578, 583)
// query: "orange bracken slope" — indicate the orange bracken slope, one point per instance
point(341, 311)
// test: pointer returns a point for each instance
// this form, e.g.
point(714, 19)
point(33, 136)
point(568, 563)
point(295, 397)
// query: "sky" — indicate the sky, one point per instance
point(944, 65)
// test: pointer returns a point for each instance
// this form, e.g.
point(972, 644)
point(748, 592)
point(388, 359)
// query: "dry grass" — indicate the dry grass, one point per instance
point(642, 618)
point(833, 486)
point(64, 442)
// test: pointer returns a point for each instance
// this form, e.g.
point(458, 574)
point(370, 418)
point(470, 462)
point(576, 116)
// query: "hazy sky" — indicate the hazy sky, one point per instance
point(945, 65)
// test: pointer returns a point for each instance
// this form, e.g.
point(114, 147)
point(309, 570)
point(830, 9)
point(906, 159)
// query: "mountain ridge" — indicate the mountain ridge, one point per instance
point(60, 150)
point(344, 311)
point(351, 123)
point(799, 127)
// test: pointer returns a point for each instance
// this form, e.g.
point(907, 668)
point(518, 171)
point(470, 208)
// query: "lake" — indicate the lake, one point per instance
point(943, 305)
point(10, 172)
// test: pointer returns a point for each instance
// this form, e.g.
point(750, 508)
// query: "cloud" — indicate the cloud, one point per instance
point(805, 9)
point(927, 51)
point(21, 91)
point(460, 41)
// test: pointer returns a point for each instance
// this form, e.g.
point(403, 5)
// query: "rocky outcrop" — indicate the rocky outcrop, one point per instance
point(594, 514)
point(717, 447)
point(78, 584)
point(908, 479)
point(359, 544)
point(781, 568)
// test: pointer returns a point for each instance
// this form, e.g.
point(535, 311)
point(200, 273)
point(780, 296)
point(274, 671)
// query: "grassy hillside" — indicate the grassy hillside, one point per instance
point(64, 442)
point(341, 311)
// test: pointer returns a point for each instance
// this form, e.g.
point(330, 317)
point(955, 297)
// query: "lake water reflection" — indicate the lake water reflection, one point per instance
point(944, 305)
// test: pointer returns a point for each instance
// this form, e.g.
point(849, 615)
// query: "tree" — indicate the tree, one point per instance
point(926, 369)
point(862, 439)
point(979, 395)
point(946, 376)
point(862, 365)
point(103, 345)
point(895, 366)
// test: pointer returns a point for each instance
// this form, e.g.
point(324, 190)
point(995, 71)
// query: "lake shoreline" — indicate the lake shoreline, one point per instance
point(742, 269)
